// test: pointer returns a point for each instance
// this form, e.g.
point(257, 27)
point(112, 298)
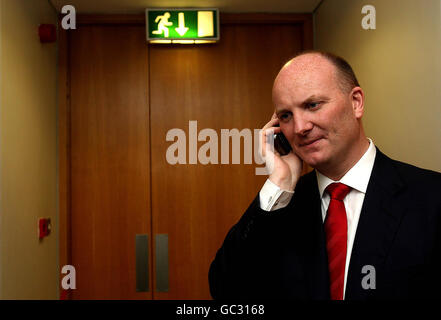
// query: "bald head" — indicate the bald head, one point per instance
point(319, 61)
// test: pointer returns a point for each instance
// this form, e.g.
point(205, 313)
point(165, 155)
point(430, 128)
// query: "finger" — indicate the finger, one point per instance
point(271, 125)
point(262, 143)
point(264, 138)
point(271, 155)
point(260, 147)
point(272, 130)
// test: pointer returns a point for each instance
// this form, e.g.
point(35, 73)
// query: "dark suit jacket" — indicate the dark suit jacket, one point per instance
point(282, 254)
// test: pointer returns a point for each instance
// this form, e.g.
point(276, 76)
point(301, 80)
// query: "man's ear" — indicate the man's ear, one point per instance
point(357, 99)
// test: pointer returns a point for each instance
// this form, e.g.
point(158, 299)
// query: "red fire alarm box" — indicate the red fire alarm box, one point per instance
point(44, 227)
point(47, 33)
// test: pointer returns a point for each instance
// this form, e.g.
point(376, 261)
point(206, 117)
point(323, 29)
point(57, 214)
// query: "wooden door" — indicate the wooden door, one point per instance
point(122, 97)
point(222, 86)
point(109, 159)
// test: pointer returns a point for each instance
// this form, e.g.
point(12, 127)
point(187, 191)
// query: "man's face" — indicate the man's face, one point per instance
point(320, 121)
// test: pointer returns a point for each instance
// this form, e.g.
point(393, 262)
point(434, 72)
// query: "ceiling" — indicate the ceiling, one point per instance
point(139, 6)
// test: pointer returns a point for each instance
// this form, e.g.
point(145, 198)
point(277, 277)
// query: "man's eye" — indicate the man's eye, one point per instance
point(285, 117)
point(312, 105)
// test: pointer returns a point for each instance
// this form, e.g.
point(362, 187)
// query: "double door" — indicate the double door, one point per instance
point(138, 225)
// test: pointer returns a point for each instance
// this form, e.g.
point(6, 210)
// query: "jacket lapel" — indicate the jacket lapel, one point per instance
point(380, 218)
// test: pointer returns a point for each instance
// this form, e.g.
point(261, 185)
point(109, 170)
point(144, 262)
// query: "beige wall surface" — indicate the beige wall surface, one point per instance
point(399, 67)
point(28, 154)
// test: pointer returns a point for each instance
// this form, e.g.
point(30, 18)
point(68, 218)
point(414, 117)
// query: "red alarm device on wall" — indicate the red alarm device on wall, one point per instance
point(44, 227)
point(47, 33)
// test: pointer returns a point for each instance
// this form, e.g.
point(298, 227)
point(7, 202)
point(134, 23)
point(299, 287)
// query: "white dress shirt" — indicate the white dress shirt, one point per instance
point(273, 198)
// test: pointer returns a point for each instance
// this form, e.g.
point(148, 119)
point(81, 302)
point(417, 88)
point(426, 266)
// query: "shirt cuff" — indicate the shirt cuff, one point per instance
point(272, 197)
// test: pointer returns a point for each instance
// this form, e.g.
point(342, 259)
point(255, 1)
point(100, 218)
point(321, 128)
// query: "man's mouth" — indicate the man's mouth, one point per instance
point(309, 142)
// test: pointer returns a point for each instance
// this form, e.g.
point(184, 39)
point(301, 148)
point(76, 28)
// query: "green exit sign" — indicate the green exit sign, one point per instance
point(179, 25)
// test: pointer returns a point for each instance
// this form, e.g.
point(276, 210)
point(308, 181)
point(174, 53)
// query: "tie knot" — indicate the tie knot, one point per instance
point(338, 191)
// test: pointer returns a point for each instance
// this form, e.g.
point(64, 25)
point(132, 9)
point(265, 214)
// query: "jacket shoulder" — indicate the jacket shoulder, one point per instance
point(414, 174)
point(423, 183)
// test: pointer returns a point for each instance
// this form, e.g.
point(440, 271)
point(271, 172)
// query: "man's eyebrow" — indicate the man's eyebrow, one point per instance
point(315, 97)
point(280, 111)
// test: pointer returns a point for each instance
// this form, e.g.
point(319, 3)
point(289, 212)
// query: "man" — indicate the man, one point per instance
point(360, 226)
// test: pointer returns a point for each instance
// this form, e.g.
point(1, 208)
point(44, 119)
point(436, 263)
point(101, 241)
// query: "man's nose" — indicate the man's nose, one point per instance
point(302, 125)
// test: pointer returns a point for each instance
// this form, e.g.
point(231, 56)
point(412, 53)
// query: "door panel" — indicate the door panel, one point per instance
point(222, 86)
point(110, 164)
point(124, 98)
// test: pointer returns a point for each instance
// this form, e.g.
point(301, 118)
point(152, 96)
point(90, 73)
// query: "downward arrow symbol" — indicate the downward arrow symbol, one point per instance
point(182, 29)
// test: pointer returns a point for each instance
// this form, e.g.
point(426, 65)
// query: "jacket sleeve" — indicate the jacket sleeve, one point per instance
point(231, 274)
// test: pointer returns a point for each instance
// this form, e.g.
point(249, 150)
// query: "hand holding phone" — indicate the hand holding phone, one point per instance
point(286, 166)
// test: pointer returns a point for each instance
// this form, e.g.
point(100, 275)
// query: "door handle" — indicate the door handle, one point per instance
point(161, 249)
point(142, 262)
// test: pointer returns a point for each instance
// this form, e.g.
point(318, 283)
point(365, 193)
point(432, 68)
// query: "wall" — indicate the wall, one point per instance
point(398, 65)
point(28, 154)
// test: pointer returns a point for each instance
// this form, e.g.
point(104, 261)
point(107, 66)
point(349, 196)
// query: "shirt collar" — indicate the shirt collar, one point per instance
point(357, 177)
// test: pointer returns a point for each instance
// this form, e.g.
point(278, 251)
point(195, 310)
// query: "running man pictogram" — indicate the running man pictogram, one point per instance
point(163, 24)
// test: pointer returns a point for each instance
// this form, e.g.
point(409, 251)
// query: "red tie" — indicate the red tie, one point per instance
point(336, 229)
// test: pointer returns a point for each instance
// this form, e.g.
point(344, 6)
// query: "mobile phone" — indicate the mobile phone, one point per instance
point(281, 144)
